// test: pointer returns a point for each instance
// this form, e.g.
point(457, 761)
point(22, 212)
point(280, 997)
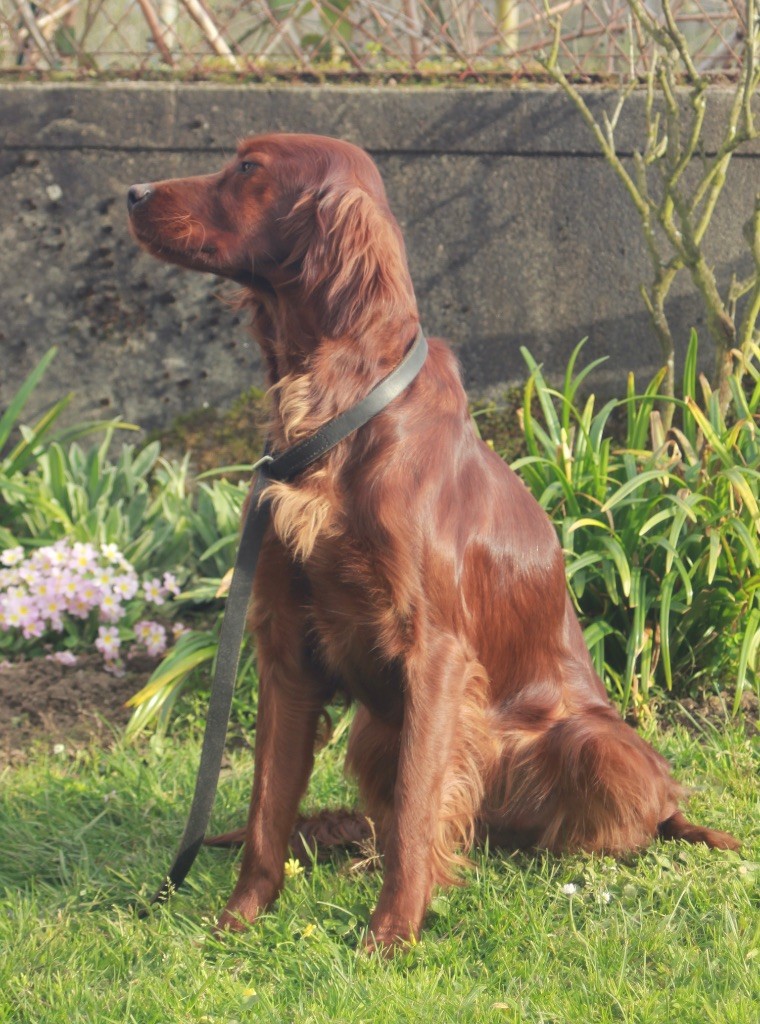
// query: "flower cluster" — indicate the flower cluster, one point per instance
point(48, 591)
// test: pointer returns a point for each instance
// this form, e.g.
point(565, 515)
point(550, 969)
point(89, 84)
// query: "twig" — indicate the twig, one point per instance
point(414, 28)
point(155, 29)
point(748, 326)
point(55, 15)
point(30, 22)
point(207, 25)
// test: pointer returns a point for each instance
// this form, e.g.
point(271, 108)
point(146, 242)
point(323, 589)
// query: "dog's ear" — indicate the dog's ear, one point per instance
point(352, 260)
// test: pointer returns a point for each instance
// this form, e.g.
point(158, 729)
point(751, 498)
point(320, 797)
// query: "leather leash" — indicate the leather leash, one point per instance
point(270, 467)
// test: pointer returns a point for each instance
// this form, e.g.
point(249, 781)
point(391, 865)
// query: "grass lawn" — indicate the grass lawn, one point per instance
point(672, 936)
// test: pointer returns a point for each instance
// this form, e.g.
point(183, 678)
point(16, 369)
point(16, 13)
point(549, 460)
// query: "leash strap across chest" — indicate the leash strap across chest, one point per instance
point(270, 467)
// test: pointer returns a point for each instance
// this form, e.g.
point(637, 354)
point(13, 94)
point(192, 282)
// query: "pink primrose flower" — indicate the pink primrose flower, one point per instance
point(103, 576)
point(155, 641)
point(42, 586)
point(153, 591)
point(27, 574)
point(19, 610)
point(33, 628)
point(126, 586)
point(111, 610)
point(83, 558)
point(89, 593)
point(170, 584)
point(8, 578)
point(63, 657)
point(52, 608)
point(79, 608)
point(143, 629)
point(108, 642)
point(58, 555)
point(68, 584)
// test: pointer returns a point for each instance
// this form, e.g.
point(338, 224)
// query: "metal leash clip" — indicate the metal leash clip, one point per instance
point(263, 461)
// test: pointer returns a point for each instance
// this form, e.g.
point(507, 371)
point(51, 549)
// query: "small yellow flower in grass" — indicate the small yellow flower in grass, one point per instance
point(249, 993)
point(293, 868)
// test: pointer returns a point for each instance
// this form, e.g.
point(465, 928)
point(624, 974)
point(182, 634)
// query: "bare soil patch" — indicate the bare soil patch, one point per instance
point(714, 711)
point(43, 702)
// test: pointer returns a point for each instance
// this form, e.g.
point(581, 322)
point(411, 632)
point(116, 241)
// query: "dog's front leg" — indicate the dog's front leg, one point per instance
point(284, 755)
point(434, 688)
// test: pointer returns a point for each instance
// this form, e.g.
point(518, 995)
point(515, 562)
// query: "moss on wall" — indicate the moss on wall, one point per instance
point(216, 438)
point(499, 422)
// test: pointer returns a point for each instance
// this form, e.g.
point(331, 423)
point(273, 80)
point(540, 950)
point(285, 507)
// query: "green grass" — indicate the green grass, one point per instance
point(677, 938)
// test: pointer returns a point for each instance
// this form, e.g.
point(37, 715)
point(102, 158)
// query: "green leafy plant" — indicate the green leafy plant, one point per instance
point(661, 531)
point(148, 506)
point(22, 447)
point(133, 499)
point(190, 660)
point(214, 521)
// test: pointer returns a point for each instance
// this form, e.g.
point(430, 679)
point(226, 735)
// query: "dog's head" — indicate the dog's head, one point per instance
point(289, 210)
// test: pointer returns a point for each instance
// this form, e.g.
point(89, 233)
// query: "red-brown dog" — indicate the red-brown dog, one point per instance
point(409, 568)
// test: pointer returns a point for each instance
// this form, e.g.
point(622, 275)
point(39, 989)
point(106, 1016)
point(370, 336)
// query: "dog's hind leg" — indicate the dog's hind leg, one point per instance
point(438, 785)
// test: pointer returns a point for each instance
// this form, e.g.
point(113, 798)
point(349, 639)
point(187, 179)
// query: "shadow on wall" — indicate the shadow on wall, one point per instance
point(517, 233)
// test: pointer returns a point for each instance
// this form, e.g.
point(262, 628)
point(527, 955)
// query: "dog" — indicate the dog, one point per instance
point(408, 569)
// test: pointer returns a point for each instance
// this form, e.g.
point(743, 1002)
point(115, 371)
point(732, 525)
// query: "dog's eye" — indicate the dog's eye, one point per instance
point(248, 166)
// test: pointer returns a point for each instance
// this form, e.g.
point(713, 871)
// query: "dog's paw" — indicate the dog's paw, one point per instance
point(386, 935)
point(240, 912)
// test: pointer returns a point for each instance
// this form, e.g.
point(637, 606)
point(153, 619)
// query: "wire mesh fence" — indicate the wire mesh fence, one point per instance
point(203, 38)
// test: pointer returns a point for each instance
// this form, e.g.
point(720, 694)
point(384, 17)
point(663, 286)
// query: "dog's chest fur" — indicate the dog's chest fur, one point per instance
point(356, 631)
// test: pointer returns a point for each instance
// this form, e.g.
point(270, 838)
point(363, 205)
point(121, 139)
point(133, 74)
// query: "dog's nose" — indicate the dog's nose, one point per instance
point(138, 194)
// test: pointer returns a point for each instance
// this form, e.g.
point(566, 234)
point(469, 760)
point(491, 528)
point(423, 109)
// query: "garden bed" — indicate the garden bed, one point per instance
point(50, 704)
point(58, 706)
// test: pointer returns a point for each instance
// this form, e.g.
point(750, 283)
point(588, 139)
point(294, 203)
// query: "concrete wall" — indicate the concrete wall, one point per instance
point(517, 231)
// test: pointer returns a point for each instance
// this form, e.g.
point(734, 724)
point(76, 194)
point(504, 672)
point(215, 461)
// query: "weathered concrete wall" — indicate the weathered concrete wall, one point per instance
point(517, 233)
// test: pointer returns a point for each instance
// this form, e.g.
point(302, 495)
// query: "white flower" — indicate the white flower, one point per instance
point(111, 553)
point(12, 556)
point(569, 888)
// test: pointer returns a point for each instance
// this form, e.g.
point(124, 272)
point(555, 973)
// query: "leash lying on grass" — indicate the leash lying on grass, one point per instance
point(284, 466)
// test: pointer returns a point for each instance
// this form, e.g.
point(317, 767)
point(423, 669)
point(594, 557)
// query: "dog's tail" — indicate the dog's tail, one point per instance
point(678, 827)
point(313, 836)
point(591, 783)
